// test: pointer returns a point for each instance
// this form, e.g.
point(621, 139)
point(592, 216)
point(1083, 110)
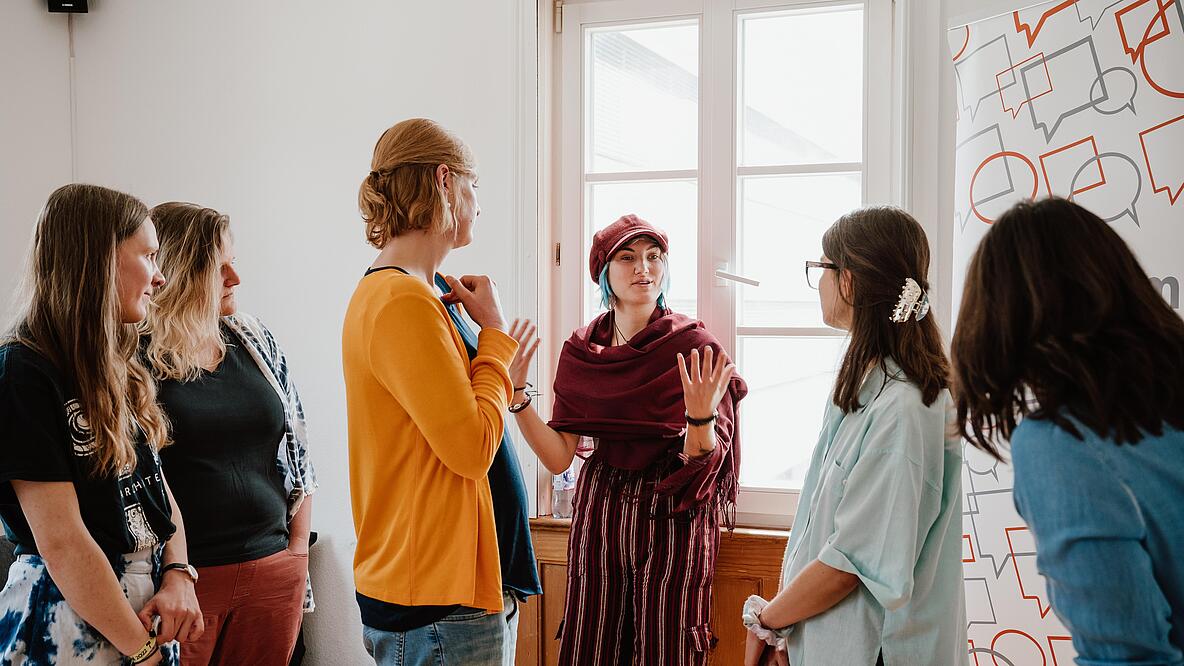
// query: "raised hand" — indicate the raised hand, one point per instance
point(704, 383)
point(523, 331)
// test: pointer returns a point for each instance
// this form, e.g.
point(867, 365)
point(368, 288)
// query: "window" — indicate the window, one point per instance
point(742, 128)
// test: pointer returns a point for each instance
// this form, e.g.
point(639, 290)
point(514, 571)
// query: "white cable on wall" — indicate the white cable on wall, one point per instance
point(73, 103)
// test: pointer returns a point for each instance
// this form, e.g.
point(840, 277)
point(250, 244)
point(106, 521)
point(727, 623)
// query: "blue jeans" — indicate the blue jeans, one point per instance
point(467, 637)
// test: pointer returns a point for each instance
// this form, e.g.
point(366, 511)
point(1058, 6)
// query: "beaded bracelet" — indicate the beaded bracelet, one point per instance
point(527, 393)
point(701, 422)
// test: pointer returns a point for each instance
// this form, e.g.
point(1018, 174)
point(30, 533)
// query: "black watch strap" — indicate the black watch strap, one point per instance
point(180, 566)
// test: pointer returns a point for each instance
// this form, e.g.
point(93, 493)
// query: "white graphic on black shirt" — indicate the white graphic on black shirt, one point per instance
point(80, 433)
point(137, 525)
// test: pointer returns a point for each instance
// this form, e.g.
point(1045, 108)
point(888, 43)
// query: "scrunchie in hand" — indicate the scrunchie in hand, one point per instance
point(753, 605)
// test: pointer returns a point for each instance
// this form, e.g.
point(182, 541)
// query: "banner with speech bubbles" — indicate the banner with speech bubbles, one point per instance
point(1082, 99)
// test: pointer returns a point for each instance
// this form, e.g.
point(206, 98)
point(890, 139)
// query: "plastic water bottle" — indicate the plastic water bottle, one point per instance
point(563, 487)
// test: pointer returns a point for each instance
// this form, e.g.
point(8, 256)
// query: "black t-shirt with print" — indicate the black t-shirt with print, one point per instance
point(44, 436)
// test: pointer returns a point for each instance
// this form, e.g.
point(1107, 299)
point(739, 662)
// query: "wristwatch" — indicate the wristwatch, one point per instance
point(188, 569)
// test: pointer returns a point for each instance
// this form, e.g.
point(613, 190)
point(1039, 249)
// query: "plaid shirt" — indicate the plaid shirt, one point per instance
point(300, 480)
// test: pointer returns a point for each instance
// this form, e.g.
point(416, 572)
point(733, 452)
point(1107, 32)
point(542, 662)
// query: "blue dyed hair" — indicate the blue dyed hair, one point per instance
point(606, 291)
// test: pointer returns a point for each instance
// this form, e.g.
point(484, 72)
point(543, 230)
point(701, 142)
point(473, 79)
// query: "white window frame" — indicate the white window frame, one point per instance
point(562, 170)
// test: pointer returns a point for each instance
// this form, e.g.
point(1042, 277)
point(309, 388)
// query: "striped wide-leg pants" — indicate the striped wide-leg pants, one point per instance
point(639, 579)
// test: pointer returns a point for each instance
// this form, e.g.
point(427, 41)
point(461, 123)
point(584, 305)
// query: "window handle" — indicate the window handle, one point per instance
point(732, 277)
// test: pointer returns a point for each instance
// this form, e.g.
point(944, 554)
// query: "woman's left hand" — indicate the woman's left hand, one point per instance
point(298, 545)
point(776, 656)
point(754, 649)
point(704, 384)
point(176, 604)
point(523, 331)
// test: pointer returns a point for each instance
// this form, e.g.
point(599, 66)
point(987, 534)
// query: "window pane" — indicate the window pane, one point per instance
point(643, 98)
point(789, 383)
point(801, 83)
point(670, 205)
point(781, 222)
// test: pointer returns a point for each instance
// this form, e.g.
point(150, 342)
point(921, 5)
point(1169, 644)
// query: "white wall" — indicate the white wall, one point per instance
point(34, 129)
point(928, 141)
point(268, 111)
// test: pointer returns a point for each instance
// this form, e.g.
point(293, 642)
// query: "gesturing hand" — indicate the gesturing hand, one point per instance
point(704, 384)
point(523, 331)
point(478, 294)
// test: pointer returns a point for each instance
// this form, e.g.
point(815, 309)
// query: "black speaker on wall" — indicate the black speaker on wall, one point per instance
point(68, 6)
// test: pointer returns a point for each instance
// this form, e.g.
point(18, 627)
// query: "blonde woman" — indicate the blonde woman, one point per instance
point(239, 462)
point(444, 552)
point(101, 553)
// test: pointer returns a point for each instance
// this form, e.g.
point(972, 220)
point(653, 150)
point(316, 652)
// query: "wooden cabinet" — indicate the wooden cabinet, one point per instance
point(749, 563)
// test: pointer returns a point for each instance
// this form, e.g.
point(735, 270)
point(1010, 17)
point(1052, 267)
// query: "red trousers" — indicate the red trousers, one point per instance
point(252, 611)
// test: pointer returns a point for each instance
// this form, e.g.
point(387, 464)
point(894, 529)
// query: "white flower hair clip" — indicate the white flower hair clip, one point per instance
point(913, 302)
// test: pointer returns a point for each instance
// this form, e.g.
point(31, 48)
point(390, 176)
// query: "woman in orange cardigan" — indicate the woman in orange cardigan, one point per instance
point(425, 418)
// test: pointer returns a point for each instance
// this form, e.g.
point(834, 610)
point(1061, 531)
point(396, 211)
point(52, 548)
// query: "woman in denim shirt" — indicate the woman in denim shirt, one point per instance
point(1066, 349)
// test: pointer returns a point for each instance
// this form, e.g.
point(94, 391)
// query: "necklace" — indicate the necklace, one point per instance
point(618, 329)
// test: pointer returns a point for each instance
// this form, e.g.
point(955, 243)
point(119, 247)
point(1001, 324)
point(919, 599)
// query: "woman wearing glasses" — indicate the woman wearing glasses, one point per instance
point(645, 524)
point(872, 573)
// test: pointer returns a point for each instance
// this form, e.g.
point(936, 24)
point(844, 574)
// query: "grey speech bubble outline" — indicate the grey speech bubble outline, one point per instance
point(1007, 169)
point(997, 560)
point(992, 471)
point(990, 603)
point(1094, 24)
point(967, 58)
point(1130, 209)
point(1130, 102)
point(994, 655)
point(1043, 127)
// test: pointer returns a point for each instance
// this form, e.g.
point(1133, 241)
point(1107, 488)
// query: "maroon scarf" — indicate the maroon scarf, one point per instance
point(629, 397)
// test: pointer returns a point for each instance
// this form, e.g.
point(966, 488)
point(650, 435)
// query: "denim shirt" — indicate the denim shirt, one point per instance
point(510, 503)
point(1109, 527)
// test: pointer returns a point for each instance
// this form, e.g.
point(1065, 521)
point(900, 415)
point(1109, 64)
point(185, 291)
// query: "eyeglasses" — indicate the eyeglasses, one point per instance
point(814, 271)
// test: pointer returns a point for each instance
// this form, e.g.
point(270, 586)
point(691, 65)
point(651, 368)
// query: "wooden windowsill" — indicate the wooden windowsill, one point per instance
point(547, 523)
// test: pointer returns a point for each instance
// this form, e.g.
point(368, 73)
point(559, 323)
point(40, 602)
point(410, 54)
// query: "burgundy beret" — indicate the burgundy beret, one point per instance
point(613, 237)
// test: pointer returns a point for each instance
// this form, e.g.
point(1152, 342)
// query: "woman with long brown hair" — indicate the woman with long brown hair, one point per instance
point(1065, 349)
point(872, 571)
point(239, 461)
point(99, 576)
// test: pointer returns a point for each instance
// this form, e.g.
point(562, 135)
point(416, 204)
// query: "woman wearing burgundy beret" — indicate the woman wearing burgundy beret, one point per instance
point(657, 395)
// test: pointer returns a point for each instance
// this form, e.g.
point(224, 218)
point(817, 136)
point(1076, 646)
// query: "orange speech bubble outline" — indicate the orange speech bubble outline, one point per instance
point(991, 158)
point(1031, 33)
point(1094, 158)
point(1160, 16)
point(1172, 196)
point(1147, 39)
point(1015, 113)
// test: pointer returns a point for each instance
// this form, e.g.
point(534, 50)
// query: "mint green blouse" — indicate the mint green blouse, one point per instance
point(883, 501)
